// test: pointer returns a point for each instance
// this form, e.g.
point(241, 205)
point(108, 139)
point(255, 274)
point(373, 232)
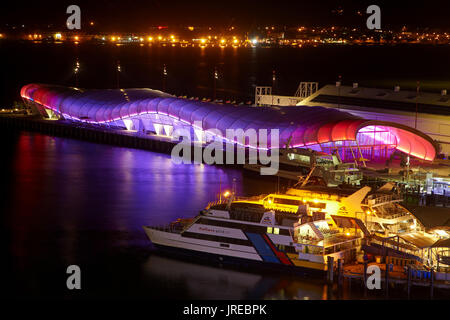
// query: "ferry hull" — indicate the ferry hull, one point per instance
point(162, 245)
point(241, 263)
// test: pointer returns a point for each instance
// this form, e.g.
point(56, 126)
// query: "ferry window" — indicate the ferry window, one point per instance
point(276, 230)
point(291, 202)
point(269, 229)
point(319, 205)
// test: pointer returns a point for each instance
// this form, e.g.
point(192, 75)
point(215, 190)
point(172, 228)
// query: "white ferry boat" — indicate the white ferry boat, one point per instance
point(260, 232)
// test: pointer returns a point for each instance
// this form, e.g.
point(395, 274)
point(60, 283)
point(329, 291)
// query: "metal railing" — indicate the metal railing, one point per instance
point(382, 199)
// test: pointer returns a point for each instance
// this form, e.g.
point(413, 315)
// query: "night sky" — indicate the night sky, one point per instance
point(139, 15)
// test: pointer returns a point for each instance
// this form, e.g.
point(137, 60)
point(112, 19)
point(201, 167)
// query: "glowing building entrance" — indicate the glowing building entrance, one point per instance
point(372, 143)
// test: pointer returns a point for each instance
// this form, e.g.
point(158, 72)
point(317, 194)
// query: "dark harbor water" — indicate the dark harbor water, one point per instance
point(70, 202)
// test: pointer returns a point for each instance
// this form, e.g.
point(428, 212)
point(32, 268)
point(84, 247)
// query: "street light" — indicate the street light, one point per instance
point(274, 78)
point(164, 77)
point(119, 70)
point(338, 85)
point(417, 104)
point(75, 70)
point(216, 77)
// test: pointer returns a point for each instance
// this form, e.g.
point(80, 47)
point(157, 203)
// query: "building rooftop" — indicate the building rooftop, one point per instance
point(386, 99)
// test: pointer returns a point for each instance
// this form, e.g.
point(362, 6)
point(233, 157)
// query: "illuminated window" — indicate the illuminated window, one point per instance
point(276, 230)
point(269, 229)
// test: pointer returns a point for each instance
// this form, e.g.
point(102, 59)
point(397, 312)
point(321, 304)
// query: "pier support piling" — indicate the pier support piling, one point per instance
point(340, 272)
point(365, 279)
point(431, 283)
point(386, 281)
point(408, 284)
point(330, 265)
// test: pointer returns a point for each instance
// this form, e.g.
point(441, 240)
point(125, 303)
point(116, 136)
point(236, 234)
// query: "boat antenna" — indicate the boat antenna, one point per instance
point(288, 142)
point(304, 180)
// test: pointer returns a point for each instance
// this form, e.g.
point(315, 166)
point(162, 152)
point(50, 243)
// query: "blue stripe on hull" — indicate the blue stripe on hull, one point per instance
point(240, 263)
point(262, 247)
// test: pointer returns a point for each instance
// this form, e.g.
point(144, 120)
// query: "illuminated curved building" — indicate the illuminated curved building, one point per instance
point(146, 110)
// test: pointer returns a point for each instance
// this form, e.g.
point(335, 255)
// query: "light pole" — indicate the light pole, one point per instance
point(338, 84)
point(216, 77)
point(274, 78)
point(75, 70)
point(164, 77)
point(417, 104)
point(119, 70)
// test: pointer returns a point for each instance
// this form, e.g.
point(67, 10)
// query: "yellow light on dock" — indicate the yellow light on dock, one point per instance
point(226, 194)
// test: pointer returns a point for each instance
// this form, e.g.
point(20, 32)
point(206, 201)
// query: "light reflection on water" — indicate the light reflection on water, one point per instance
point(74, 202)
point(207, 282)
